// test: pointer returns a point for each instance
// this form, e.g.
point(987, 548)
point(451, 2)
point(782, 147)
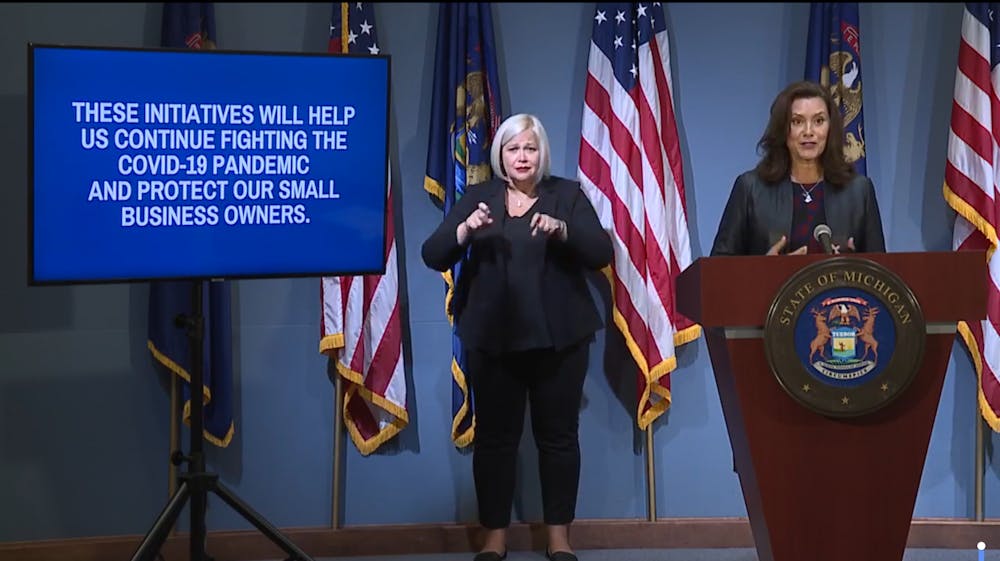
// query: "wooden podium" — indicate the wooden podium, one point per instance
point(819, 488)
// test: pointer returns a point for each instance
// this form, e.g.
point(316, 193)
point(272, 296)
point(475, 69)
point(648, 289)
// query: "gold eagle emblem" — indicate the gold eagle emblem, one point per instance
point(846, 93)
point(470, 100)
point(843, 313)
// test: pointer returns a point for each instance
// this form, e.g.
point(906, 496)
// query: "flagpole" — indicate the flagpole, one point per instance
point(338, 406)
point(650, 480)
point(174, 439)
point(979, 462)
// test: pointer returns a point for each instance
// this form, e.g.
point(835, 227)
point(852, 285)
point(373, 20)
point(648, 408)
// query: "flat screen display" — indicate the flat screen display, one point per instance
point(150, 164)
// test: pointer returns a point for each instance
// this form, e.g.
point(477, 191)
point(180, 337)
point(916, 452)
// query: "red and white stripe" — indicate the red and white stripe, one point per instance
point(971, 179)
point(630, 168)
point(361, 330)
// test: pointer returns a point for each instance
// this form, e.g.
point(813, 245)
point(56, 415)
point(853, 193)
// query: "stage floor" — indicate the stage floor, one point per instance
point(734, 554)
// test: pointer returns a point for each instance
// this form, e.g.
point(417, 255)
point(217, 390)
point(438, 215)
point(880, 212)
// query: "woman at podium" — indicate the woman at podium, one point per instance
point(803, 180)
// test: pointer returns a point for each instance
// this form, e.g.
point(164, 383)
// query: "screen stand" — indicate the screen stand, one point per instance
point(196, 482)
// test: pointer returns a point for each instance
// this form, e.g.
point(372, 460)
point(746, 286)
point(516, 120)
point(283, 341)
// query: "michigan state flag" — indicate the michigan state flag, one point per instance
point(192, 25)
point(833, 59)
point(465, 114)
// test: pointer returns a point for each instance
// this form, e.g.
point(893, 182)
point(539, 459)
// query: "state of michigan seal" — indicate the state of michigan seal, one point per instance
point(844, 336)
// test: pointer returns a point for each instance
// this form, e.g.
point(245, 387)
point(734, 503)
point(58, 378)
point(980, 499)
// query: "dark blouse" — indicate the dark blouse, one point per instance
point(806, 216)
point(526, 326)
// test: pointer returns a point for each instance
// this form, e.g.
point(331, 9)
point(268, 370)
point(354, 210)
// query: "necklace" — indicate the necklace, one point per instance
point(519, 200)
point(807, 193)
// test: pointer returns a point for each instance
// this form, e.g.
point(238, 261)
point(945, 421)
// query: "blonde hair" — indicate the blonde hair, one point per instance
point(511, 127)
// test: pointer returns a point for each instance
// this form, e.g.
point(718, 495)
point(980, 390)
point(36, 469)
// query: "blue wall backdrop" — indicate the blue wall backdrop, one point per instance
point(84, 416)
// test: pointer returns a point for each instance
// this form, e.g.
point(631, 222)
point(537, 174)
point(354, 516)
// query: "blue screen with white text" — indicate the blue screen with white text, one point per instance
point(155, 164)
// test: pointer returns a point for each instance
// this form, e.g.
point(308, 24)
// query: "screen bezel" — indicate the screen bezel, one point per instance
point(33, 281)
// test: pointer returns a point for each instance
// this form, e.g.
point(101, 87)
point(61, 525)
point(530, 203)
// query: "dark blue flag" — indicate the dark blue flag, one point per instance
point(465, 114)
point(192, 25)
point(833, 59)
point(188, 24)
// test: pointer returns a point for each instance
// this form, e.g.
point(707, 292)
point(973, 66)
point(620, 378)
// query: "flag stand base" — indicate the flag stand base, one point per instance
point(196, 482)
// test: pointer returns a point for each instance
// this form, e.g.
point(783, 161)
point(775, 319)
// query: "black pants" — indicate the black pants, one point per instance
point(501, 386)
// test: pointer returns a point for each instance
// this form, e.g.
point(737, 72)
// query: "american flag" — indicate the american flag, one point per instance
point(361, 326)
point(630, 168)
point(970, 184)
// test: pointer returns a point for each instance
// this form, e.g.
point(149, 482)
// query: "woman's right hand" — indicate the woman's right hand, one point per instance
point(777, 247)
point(479, 219)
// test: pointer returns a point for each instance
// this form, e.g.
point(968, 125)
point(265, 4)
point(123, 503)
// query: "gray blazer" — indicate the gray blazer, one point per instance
point(758, 214)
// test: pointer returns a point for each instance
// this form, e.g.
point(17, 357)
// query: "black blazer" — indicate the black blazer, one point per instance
point(478, 303)
point(758, 214)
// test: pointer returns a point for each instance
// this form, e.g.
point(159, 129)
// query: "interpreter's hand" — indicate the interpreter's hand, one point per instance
point(780, 245)
point(849, 248)
point(547, 225)
point(480, 218)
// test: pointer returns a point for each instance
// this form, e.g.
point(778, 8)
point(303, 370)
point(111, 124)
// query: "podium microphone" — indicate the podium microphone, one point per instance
point(822, 234)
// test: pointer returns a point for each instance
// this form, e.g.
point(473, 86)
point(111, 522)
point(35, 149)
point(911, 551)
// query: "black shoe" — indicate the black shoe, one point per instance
point(490, 556)
point(560, 556)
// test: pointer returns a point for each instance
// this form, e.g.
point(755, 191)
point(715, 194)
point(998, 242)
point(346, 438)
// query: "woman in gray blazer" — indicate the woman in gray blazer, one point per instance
point(802, 180)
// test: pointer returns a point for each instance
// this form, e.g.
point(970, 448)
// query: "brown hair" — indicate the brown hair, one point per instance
point(775, 162)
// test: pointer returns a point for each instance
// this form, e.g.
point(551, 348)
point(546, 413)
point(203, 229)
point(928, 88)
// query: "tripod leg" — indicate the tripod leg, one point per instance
point(153, 541)
point(199, 501)
point(257, 520)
